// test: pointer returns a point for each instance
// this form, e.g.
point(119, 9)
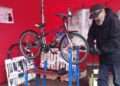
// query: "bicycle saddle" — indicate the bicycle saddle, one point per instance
point(41, 25)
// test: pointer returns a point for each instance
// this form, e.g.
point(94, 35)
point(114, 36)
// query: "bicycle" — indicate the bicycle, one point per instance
point(33, 43)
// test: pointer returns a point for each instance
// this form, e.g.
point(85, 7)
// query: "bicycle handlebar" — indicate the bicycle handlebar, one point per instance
point(65, 16)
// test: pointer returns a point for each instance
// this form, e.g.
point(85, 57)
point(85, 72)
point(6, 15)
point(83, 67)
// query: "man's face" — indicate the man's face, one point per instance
point(99, 19)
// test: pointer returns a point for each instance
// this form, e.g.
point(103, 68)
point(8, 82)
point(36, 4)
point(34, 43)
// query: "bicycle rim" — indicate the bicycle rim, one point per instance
point(78, 43)
point(29, 45)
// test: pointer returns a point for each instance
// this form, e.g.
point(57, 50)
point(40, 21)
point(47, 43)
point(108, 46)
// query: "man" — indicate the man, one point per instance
point(105, 31)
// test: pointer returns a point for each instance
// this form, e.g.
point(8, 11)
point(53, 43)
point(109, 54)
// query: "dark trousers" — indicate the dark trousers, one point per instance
point(104, 71)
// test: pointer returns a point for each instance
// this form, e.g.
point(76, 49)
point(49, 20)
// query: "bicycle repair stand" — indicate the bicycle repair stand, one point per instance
point(37, 77)
point(26, 75)
point(44, 74)
point(43, 77)
point(73, 72)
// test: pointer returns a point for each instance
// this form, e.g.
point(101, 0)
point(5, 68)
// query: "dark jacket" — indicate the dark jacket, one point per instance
point(107, 38)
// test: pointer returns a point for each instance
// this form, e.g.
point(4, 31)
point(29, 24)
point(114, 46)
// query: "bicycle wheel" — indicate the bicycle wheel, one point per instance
point(29, 44)
point(78, 45)
point(13, 51)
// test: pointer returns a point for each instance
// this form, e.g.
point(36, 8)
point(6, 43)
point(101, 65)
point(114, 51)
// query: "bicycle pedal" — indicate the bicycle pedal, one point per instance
point(53, 45)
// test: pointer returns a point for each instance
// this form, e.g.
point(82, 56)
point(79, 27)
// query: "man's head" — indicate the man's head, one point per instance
point(97, 13)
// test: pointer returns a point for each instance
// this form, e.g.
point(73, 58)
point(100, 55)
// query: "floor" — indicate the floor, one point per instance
point(57, 82)
point(83, 82)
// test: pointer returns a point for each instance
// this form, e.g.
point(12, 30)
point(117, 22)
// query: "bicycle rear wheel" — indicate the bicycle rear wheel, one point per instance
point(29, 44)
point(79, 47)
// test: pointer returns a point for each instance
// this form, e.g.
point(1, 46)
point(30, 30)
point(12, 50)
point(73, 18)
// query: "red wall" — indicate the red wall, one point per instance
point(27, 13)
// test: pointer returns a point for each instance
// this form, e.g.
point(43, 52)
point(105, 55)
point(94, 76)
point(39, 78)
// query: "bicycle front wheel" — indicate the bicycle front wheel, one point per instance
point(79, 47)
point(29, 44)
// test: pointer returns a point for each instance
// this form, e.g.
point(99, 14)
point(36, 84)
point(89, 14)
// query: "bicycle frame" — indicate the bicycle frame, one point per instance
point(66, 31)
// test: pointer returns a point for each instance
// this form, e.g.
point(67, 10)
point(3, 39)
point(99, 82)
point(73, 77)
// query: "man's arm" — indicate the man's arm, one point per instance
point(91, 40)
point(91, 36)
point(114, 40)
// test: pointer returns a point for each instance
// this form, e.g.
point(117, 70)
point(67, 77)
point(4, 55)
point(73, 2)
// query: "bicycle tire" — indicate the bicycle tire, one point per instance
point(13, 51)
point(80, 43)
point(28, 44)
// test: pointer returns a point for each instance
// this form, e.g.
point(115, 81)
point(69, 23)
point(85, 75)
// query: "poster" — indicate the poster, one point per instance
point(6, 15)
point(15, 70)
